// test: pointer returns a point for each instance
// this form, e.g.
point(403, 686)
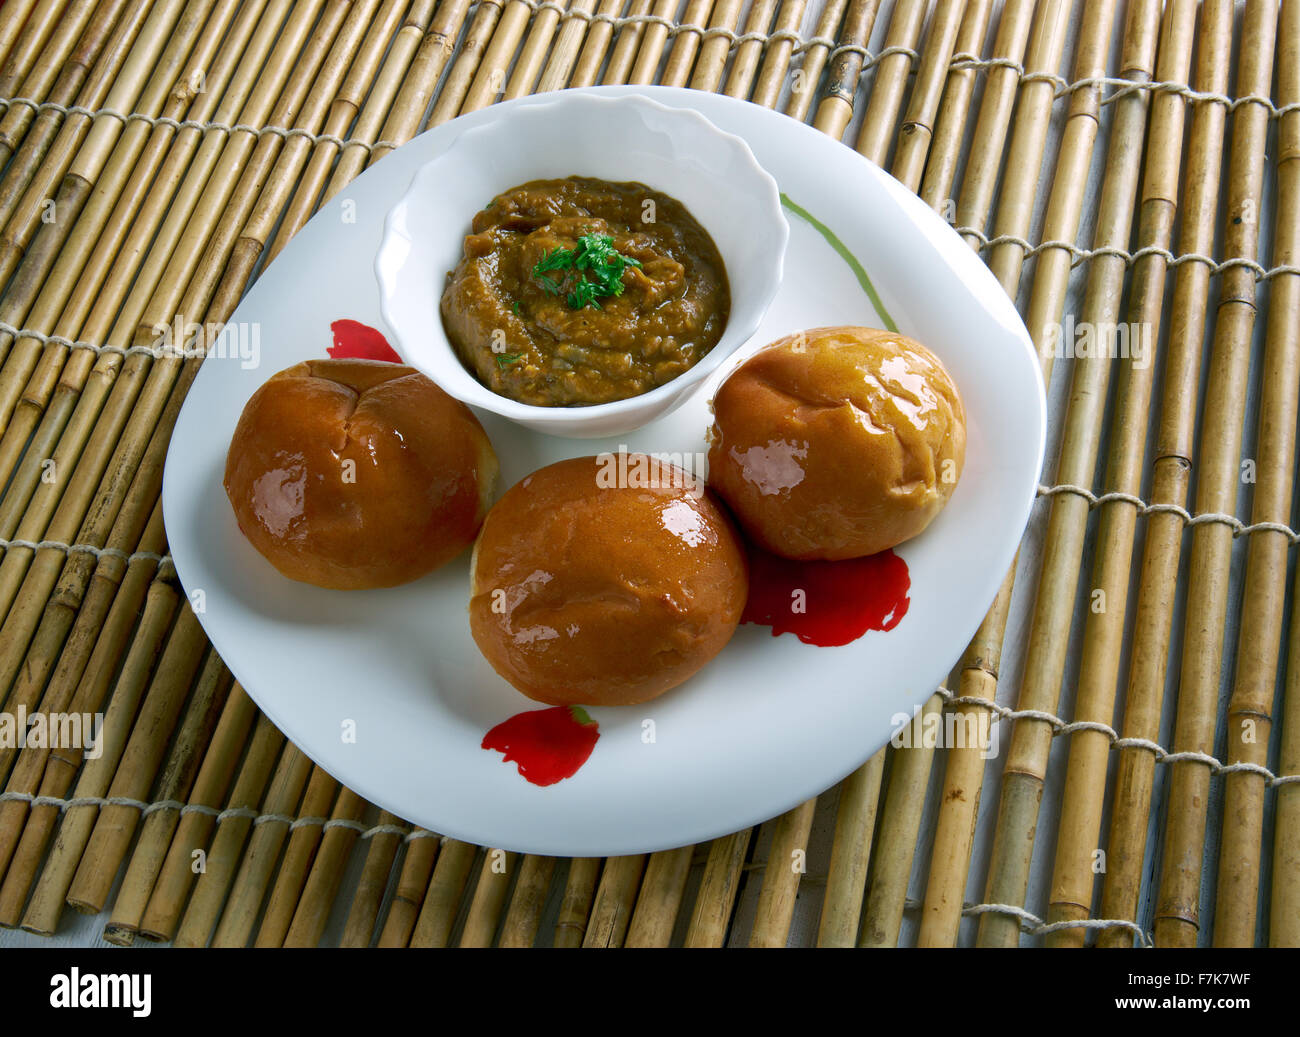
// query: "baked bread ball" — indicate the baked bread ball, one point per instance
point(593, 590)
point(837, 442)
point(358, 473)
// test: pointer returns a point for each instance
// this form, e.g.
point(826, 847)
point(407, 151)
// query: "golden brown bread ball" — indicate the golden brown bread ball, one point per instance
point(837, 442)
point(358, 473)
point(590, 589)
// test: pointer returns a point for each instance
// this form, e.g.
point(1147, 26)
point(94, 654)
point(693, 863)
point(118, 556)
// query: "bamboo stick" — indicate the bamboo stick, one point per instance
point(490, 79)
point(13, 16)
point(119, 79)
point(776, 60)
point(27, 214)
point(1284, 893)
point(412, 881)
point(855, 822)
point(835, 108)
point(712, 57)
point(1024, 771)
point(745, 63)
point(206, 721)
point(68, 629)
point(1023, 163)
point(524, 916)
point(1177, 907)
point(1000, 90)
point(1079, 830)
point(359, 929)
point(80, 685)
point(575, 908)
point(662, 889)
point(595, 45)
point(355, 52)
point(1171, 474)
point(528, 76)
point(612, 909)
point(963, 780)
point(723, 875)
point(950, 125)
point(343, 112)
point(652, 41)
point(187, 847)
point(41, 311)
point(246, 886)
point(494, 878)
point(314, 82)
point(900, 823)
point(46, 905)
point(1249, 719)
point(55, 50)
point(625, 48)
point(435, 49)
point(72, 65)
point(65, 637)
point(918, 124)
point(134, 506)
point(441, 904)
point(457, 84)
point(30, 40)
point(1284, 899)
point(291, 876)
point(890, 81)
point(339, 836)
point(805, 79)
point(686, 44)
point(115, 826)
point(52, 391)
point(786, 861)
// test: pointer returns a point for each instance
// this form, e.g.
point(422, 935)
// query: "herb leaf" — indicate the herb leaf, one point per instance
point(594, 270)
point(555, 259)
point(506, 359)
point(583, 294)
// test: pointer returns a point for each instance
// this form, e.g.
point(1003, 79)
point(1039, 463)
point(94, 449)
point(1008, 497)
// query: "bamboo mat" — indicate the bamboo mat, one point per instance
point(1111, 162)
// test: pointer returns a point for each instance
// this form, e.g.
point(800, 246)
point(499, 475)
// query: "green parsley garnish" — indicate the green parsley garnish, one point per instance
point(594, 270)
point(505, 359)
point(515, 308)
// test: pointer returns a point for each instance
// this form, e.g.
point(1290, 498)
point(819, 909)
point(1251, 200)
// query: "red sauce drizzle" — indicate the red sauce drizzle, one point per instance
point(840, 601)
point(549, 745)
point(361, 342)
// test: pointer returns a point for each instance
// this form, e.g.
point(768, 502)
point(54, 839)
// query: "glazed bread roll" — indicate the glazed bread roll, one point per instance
point(837, 442)
point(358, 473)
point(589, 593)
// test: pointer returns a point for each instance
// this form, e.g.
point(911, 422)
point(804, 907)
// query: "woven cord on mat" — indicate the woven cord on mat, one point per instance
point(1112, 163)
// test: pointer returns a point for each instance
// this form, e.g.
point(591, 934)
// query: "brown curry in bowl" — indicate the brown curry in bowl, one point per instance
point(578, 291)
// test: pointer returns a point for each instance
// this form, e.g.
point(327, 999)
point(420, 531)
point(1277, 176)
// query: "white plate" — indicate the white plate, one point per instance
point(771, 721)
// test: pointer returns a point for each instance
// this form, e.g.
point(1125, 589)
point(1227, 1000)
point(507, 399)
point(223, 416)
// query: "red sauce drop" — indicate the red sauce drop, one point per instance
point(826, 603)
point(549, 745)
point(361, 342)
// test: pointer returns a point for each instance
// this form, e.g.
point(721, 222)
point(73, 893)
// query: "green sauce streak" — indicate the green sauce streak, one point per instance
point(847, 256)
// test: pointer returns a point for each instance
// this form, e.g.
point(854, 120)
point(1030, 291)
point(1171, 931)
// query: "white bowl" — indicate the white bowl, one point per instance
point(673, 150)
